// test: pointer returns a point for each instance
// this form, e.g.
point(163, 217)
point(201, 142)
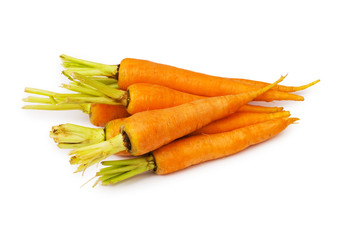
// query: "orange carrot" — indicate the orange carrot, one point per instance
point(139, 97)
point(101, 114)
point(193, 150)
point(146, 131)
point(131, 71)
point(75, 136)
point(238, 120)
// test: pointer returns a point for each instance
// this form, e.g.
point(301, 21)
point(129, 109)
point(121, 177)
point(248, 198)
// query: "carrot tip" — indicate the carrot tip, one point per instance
point(292, 120)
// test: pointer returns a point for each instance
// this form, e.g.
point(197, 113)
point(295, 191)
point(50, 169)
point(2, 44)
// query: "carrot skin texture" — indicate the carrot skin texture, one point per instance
point(193, 150)
point(144, 97)
point(229, 123)
point(150, 130)
point(101, 114)
point(141, 71)
point(238, 120)
point(234, 121)
point(259, 109)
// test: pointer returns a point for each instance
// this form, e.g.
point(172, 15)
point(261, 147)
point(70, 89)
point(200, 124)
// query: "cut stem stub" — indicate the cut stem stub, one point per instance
point(71, 136)
point(89, 155)
point(109, 94)
point(89, 68)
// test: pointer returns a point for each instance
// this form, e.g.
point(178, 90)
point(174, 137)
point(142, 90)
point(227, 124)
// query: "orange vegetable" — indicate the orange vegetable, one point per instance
point(192, 150)
point(238, 120)
point(136, 71)
point(75, 136)
point(101, 114)
point(139, 97)
point(131, 71)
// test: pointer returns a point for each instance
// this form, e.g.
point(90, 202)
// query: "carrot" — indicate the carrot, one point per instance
point(238, 120)
point(141, 97)
point(192, 150)
point(145, 131)
point(75, 136)
point(132, 71)
point(138, 98)
point(72, 136)
point(101, 114)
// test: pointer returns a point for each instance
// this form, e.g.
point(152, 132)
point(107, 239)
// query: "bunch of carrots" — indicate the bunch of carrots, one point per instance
point(158, 117)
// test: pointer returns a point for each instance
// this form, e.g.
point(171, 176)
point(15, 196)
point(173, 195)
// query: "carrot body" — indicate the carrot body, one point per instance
point(234, 121)
point(101, 114)
point(238, 120)
point(146, 131)
point(141, 71)
point(193, 150)
point(144, 97)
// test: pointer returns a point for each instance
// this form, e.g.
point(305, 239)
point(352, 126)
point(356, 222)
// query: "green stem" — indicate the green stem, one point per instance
point(89, 155)
point(111, 170)
point(84, 107)
point(53, 94)
point(123, 176)
point(108, 91)
point(88, 68)
point(39, 92)
point(103, 100)
point(32, 99)
point(122, 169)
point(113, 85)
point(75, 136)
point(102, 79)
point(52, 104)
point(137, 160)
point(82, 89)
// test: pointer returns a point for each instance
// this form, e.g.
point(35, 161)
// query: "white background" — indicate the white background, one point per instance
point(303, 184)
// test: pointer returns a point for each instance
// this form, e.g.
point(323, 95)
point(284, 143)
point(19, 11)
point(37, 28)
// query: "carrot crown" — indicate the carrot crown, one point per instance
point(105, 93)
point(120, 170)
point(74, 136)
point(92, 154)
